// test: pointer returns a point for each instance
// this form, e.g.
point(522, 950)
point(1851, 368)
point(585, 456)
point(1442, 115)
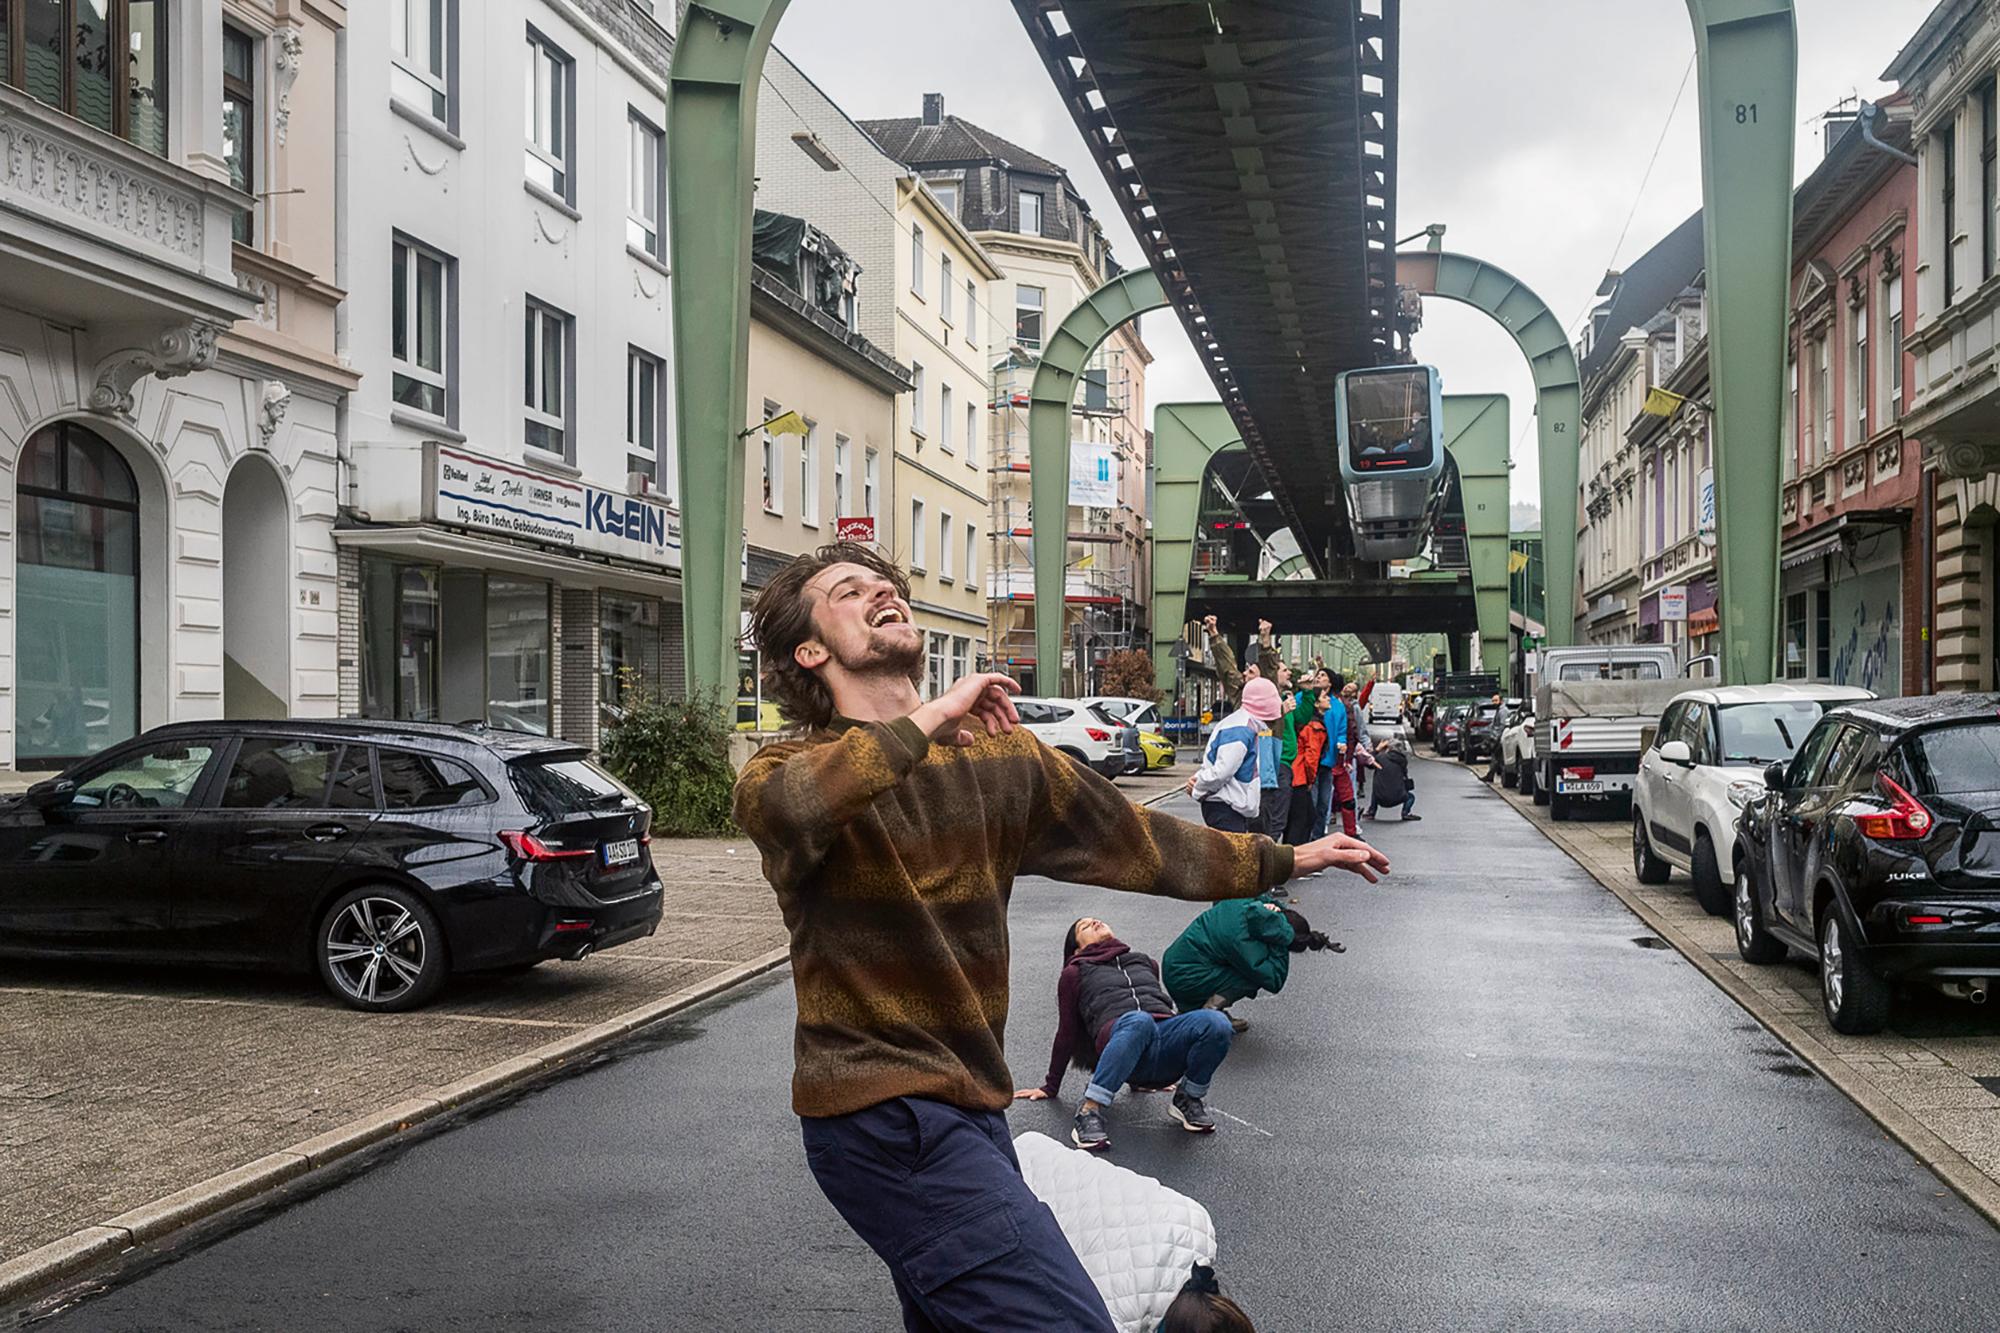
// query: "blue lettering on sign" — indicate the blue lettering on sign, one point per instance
point(1103, 468)
point(631, 519)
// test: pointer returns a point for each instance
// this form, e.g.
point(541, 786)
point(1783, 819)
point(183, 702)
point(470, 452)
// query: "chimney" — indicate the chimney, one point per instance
point(933, 108)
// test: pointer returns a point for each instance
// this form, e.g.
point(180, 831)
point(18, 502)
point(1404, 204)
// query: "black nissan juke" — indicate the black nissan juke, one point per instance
point(384, 855)
point(1876, 849)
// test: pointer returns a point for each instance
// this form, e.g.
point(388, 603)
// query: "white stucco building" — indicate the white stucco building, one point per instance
point(508, 546)
point(169, 378)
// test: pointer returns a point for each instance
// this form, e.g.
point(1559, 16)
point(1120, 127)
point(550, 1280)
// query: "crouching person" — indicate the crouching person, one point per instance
point(1115, 1018)
point(1234, 950)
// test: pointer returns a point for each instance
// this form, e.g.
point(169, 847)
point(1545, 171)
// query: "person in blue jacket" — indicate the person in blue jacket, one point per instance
point(1336, 783)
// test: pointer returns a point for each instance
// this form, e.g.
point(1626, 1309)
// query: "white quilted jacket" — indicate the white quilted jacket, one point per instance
point(1136, 1237)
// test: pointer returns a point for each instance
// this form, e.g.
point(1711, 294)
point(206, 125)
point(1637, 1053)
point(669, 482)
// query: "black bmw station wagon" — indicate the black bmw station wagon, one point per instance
point(385, 855)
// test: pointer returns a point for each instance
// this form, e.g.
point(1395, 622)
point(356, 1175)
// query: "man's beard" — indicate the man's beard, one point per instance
point(888, 654)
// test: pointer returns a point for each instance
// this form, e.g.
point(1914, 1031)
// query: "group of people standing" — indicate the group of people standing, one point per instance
point(1293, 753)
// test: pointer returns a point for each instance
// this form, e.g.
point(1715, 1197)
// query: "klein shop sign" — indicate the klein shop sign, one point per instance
point(466, 490)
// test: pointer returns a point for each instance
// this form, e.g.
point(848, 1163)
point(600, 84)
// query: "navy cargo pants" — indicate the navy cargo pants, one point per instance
point(937, 1192)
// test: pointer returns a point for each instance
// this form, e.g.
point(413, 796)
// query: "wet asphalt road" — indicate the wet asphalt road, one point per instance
point(1495, 1111)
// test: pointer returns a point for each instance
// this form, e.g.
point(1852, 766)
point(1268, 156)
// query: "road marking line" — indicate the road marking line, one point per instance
point(1241, 1121)
point(508, 1022)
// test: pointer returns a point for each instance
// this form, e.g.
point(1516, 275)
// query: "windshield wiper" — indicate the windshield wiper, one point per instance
point(1785, 731)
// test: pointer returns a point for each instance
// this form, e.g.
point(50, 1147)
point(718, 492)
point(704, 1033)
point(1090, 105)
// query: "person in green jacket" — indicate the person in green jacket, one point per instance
point(1234, 950)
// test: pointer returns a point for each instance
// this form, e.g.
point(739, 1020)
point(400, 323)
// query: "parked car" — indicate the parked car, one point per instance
point(1876, 849)
point(1068, 726)
point(1144, 715)
point(1517, 749)
point(1482, 730)
point(385, 855)
point(1427, 720)
point(1706, 763)
point(1126, 736)
point(1450, 731)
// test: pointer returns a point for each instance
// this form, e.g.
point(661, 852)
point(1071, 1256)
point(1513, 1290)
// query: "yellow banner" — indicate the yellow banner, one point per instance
point(1661, 403)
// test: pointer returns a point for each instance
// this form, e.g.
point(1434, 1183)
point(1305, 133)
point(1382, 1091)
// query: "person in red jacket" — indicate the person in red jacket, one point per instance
point(1305, 768)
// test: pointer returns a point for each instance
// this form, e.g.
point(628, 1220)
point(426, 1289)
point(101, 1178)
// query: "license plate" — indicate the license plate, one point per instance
point(621, 853)
point(1569, 787)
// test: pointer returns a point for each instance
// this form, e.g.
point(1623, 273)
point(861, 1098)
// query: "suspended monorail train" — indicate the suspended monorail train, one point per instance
point(1390, 423)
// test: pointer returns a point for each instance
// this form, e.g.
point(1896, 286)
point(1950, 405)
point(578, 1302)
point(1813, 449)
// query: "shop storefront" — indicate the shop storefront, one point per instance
point(1842, 610)
point(526, 600)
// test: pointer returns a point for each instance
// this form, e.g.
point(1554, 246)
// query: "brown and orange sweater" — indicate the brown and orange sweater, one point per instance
point(894, 860)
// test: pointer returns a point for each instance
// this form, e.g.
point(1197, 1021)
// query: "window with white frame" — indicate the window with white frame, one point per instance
point(917, 260)
point(1891, 344)
point(240, 125)
point(1857, 370)
point(1823, 394)
point(918, 387)
point(919, 532)
point(971, 554)
point(869, 469)
point(774, 464)
point(643, 424)
point(550, 355)
point(971, 313)
point(646, 188)
point(945, 415)
point(972, 435)
point(944, 289)
point(551, 96)
point(937, 661)
point(843, 461)
point(423, 341)
point(809, 476)
point(1031, 214)
point(961, 658)
point(423, 38)
point(947, 195)
point(944, 546)
point(1029, 303)
point(1792, 417)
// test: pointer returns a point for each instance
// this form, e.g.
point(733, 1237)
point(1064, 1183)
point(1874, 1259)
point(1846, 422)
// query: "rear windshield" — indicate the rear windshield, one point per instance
point(559, 787)
point(1952, 761)
point(1609, 671)
point(1765, 733)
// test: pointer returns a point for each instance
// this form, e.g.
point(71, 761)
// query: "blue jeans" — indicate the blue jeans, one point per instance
point(1322, 800)
point(936, 1191)
point(1152, 1052)
point(1409, 801)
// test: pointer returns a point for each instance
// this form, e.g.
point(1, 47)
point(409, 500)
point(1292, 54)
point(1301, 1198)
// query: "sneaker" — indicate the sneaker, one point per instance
point(1194, 1117)
point(1238, 1024)
point(1413, 819)
point(1088, 1133)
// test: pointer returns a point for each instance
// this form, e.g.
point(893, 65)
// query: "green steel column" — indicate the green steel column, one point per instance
point(711, 128)
point(1476, 435)
point(1050, 401)
point(1185, 437)
point(1747, 61)
point(1558, 400)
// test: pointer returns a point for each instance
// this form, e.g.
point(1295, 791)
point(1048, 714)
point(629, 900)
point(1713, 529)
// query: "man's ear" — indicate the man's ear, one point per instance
point(811, 654)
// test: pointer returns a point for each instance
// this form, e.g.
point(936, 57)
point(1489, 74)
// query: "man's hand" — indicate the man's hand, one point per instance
point(1190, 784)
point(1337, 849)
point(1212, 625)
point(985, 699)
point(1031, 1095)
point(1264, 630)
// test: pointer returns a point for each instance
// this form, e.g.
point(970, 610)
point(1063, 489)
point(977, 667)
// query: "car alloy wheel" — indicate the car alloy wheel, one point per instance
point(1753, 942)
point(1857, 1000)
point(380, 950)
point(1832, 964)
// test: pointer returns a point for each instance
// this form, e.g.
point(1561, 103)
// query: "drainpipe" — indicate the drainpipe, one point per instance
point(1870, 114)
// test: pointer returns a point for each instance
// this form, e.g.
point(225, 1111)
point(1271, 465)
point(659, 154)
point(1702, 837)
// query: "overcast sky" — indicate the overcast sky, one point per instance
point(1526, 129)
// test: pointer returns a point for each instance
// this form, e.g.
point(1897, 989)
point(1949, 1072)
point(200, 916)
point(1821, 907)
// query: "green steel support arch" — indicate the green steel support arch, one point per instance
point(1747, 64)
point(711, 123)
point(1185, 437)
point(1050, 401)
point(1558, 399)
point(1476, 434)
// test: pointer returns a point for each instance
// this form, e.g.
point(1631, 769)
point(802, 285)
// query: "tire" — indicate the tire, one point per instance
point(1526, 781)
point(1559, 807)
point(1544, 787)
point(379, 931)
point(1754, 941)
point(1510, 776)
point(1710, 889)
point(1646, 863)
point(1855, 999)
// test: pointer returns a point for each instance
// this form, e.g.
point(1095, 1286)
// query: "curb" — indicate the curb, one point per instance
point(1947, 1163)
point(39, 1267)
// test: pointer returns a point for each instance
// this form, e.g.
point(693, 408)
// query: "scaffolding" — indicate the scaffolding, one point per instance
point(1104, 585)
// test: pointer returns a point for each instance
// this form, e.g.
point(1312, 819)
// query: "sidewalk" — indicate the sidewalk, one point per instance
point(1932, 1080)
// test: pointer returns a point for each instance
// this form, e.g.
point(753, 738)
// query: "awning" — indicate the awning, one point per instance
point(446, 546)
point(1703, 622)
point(1811, 551)
point(1826, 539)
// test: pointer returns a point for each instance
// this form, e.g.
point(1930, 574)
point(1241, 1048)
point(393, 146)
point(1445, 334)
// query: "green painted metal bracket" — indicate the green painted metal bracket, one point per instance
point(1186, 436)
point(1476, 436)
point(1746, 59)
point(1558, 399)
point(711, 123)
point(1050, 401)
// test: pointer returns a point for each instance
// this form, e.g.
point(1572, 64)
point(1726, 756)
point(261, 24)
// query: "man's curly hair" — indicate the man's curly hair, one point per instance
point(781, 620)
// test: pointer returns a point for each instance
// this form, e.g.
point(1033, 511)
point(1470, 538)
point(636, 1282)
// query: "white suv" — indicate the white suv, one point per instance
point(1706, 762)
point(1067, 725)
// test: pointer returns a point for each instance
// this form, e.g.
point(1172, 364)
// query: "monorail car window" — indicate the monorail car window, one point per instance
point(1389, 420)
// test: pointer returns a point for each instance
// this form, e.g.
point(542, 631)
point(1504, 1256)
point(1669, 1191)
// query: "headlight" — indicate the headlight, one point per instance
point(1742, 793)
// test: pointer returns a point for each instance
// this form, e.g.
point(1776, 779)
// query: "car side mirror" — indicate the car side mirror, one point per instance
point(51, 793)
point(1677, 752)
point(1774, 777)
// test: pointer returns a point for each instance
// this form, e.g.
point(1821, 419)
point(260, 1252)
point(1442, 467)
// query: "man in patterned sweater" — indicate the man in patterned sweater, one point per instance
point(892, 830)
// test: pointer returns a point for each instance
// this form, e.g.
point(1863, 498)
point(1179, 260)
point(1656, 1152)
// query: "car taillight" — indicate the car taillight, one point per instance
point(1905, 818)
point(1580, 774)
point(1096, 734)
point(524, 846)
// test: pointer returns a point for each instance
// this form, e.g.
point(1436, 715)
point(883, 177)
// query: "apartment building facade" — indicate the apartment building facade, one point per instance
point(170, 384)
point(1675, 456)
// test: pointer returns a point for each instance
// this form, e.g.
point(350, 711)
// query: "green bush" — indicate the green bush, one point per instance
point(675, 754)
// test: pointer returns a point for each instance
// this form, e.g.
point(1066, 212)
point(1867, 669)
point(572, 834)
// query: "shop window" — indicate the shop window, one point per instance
point(76, 633)
point(550, 159)
point(64, 57)
point(517, 655)
point(549, 353)
point(423, 46)
point(423, 337)
point(1795, 636)
point(239, 123)
point(629, 650)
point(646, 188)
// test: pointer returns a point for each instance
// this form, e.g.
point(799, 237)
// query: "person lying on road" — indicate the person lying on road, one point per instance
point(891, 829)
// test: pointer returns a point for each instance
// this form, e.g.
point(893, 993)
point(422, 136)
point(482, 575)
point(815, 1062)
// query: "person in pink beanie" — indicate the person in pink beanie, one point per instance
point(1227, 784)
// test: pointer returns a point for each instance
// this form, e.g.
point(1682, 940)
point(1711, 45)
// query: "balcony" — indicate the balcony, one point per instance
point(97, 233)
